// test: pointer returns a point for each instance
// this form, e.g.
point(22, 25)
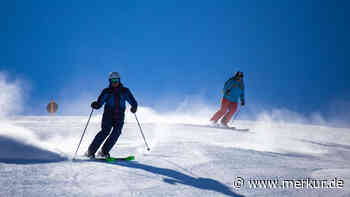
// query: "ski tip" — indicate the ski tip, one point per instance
point(130, 158)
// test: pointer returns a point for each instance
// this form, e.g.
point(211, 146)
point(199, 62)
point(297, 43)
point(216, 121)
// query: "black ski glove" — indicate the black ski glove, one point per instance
point(242, 102)
point(95, 105)
point(133, 109)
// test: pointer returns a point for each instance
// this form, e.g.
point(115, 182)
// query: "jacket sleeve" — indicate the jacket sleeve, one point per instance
point(242, 94)
point(130, 98)
point(227, 86)
point(103, 97)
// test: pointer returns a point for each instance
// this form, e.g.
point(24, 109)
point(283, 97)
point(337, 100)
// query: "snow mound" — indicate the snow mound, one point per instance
point(19, 145)
point(15, 151)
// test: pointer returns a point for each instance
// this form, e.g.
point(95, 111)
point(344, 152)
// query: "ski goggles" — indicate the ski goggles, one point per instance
point(115, 80)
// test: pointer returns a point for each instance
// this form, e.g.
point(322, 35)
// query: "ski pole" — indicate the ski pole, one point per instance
point(83, 133)
point(144, 139)
point(236, 115)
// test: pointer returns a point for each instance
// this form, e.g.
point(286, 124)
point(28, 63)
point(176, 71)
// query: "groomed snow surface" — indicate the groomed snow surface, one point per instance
point(185, 159)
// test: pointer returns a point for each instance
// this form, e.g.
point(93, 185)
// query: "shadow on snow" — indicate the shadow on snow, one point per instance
point(16, 152)
point(175, 177)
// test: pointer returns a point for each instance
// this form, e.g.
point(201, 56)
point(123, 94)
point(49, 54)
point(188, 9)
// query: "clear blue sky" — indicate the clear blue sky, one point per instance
point(295, 54)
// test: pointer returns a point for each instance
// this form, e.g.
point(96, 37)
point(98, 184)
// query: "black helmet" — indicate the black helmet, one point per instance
point(238, 74)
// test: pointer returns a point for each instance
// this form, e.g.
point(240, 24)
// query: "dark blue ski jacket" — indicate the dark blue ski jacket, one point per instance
point(114, 100)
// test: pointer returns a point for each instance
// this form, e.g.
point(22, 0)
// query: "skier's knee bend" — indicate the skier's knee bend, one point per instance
point(105, 132)
point(222, 111)
point(116, 131)
point(106, 129)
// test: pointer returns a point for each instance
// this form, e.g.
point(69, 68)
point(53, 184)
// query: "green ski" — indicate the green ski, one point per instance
point(113, 159)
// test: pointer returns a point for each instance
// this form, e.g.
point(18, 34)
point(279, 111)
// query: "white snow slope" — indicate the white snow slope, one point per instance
point(36, 159)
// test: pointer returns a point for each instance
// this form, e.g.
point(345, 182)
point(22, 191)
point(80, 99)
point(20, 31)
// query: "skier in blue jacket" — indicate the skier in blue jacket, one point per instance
point(233, 90)
point(113, 98)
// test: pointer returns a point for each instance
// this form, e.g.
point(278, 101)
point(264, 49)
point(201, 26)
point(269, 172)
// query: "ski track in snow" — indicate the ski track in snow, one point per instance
point(36, 159)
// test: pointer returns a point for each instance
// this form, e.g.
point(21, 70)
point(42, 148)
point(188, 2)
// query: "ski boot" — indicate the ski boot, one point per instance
point(103, 155)
point(90, 155)
point(214, 123)
point(224, 123)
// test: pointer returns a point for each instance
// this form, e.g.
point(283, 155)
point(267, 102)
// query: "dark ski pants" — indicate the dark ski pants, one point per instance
point(103, 134)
